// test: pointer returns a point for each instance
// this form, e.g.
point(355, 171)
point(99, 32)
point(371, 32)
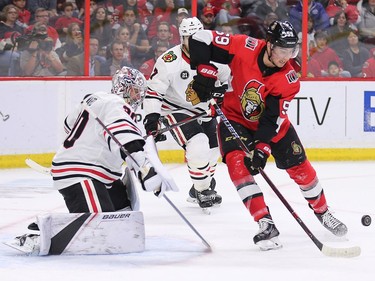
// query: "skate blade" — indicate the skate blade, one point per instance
point(206, 211)
point(271, 244)
point(192, 200)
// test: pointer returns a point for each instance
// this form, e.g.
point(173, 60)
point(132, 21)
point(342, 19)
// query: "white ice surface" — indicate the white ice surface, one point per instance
point(174, 252)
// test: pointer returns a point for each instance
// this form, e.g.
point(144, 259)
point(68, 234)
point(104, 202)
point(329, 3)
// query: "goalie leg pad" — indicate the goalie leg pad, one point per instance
point(91, 233)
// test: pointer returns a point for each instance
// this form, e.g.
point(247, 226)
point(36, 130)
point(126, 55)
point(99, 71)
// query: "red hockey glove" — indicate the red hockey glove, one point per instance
point(204, 81)
point(261, 153)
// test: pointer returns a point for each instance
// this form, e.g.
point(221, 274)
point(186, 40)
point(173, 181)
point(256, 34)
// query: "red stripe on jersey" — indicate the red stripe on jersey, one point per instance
point(152, 93)
point(122, 125)
point(91, 196)
point(54, 171)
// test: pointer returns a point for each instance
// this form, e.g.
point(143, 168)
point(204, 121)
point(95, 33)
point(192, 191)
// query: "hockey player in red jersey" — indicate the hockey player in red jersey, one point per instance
point(262, 87)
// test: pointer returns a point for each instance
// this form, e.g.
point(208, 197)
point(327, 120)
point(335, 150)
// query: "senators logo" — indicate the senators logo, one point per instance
point(169, 57)
point(251, 101)
point(191, 95)
point(297, 149)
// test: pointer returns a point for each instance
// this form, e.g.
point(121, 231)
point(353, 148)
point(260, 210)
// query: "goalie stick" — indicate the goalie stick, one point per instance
point(348, 252)
point(88, 109)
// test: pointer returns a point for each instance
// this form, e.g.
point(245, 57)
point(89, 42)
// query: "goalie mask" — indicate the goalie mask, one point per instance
point(130, 84)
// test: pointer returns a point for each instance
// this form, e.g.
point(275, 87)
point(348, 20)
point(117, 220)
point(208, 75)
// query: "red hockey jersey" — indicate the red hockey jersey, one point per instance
point(258, 99)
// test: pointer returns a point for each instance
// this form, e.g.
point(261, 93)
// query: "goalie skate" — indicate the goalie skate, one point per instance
point(332, 224)
point(267, 237)
point(27, 243)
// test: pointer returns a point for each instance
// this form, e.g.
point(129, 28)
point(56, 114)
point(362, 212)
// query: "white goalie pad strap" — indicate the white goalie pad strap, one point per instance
point(129, 180)
point(168, 184)
point(91, 233)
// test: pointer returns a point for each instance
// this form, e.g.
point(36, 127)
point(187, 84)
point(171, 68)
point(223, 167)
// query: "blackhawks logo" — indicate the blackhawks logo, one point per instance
point(191, 95)
point(169, 57)
point(251, 101)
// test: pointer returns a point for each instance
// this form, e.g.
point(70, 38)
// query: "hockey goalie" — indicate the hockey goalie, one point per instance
point(87, 170)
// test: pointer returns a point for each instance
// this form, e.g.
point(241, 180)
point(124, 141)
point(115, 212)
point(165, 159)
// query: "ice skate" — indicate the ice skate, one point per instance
point(207, 199)
point(267, 237)
point(192, 192)
point(332, 224)
point(27, 243)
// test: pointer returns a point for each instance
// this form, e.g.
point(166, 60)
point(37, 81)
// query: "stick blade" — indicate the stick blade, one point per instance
point(350, 252)
point(39, 168)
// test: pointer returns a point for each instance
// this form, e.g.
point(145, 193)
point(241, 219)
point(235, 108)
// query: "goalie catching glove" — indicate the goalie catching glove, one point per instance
point(261, 152)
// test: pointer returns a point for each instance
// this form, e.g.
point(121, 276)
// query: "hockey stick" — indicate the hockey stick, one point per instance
point(326, 250)
point(88, 109)
point(183, 122)
point(37, 167)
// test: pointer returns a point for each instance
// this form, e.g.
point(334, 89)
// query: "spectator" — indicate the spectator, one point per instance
point(227, 29)
point(338, 33)
point(208, 18)
point(100, 27)
point(351, 11)
point(368, 69)
point(147, 67)
point(310, 33)
point(324, 54)
point(182, 13)
point(355, 55)
point(9, 56)
point(39, 59)
point(272, 6)
point(24, 15)
point(226, 11)
point(9, 25)
point(81, 8)
point(73, 45)
point(162, 12)
point(144, 14)
point(335, 71)
point(116, 62)
point(249, 7)
point(317, 12)
point(42, 16)
point(164, 35)
point(138, 37)
point(252, 26)
point(123, 35)
point(65, 20)
point(48, 5)
point(75, 65)
point(367, 24)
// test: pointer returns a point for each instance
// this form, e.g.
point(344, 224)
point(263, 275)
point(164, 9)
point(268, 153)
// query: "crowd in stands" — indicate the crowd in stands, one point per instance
point(46, 38)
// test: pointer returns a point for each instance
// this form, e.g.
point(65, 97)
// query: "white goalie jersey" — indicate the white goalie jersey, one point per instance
point(86, 154)
point(169, 86)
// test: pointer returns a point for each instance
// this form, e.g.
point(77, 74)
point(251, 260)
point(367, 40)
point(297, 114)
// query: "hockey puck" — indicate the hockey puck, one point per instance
point(366, 220)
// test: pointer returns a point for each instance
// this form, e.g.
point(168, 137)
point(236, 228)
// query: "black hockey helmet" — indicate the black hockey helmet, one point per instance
point(282, 34)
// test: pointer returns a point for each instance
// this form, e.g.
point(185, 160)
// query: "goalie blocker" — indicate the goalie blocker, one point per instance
point(85, 234)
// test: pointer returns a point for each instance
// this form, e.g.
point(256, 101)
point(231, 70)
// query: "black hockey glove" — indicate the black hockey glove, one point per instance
point(261, 153)
point(152, 126)
point(204, 81)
